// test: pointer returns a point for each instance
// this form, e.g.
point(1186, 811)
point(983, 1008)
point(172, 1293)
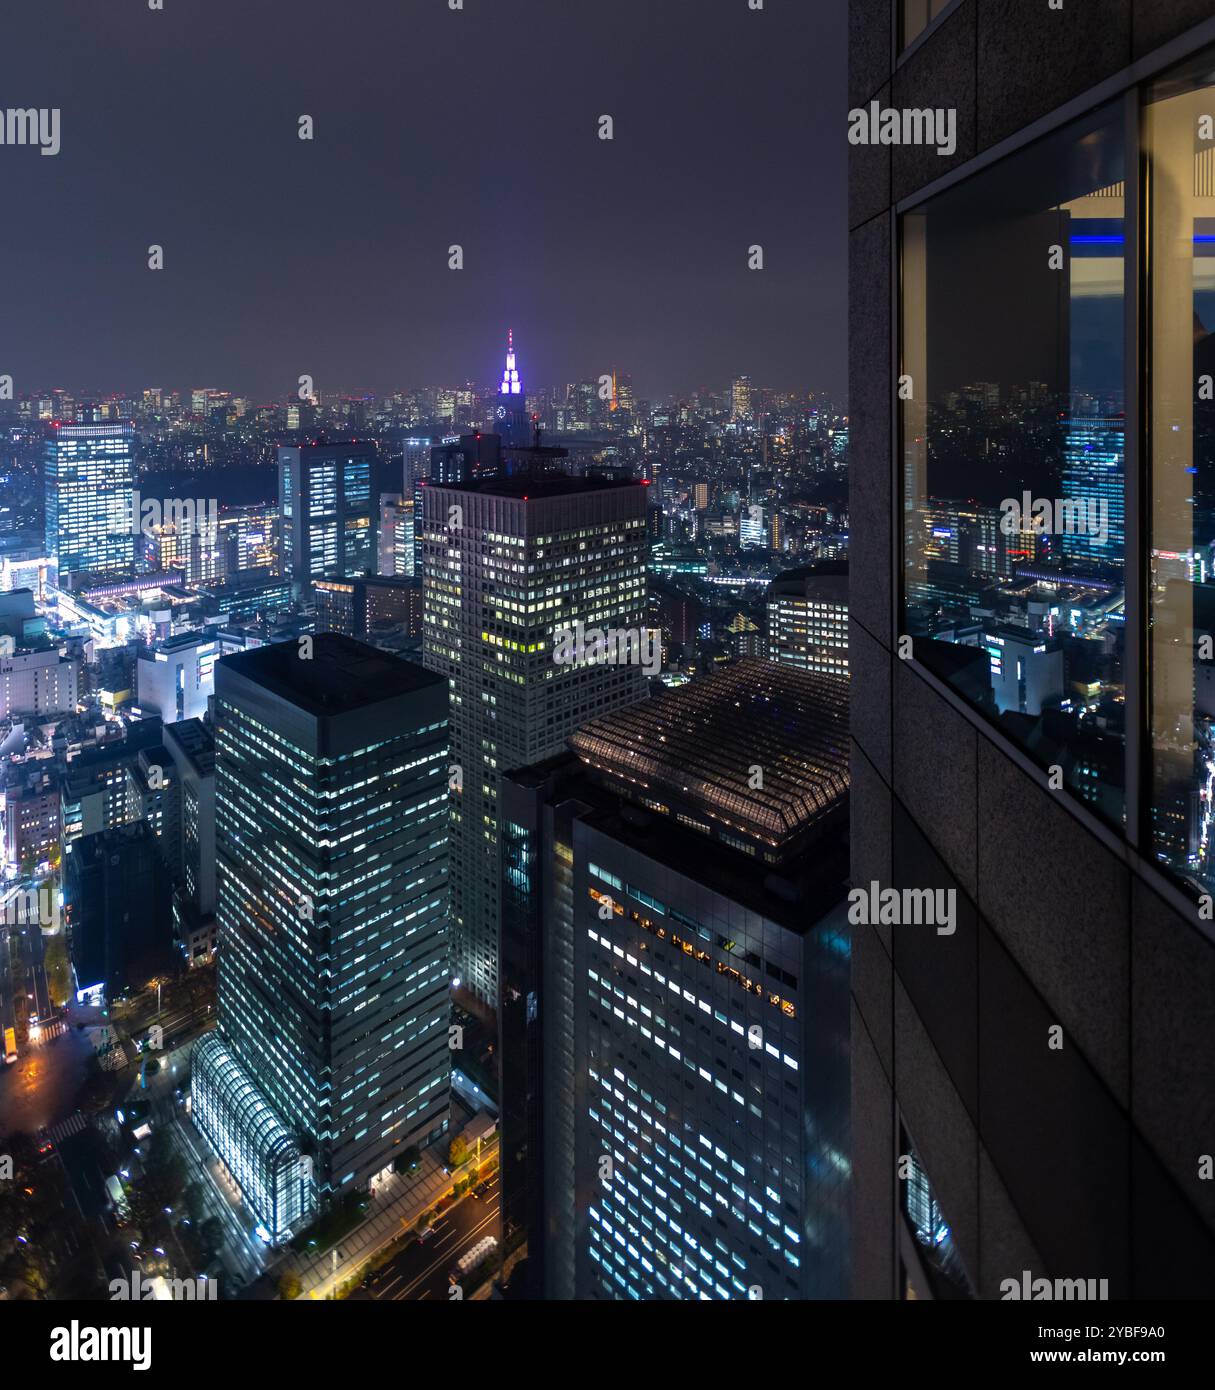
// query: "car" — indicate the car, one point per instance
point(426, 1233)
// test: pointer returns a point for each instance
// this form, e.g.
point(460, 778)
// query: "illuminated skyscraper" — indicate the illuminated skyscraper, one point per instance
point(752, 533)
point(674, 1024)
point(90, 485)
point(415, 460)
point(327, 512)
point(509, 561)
point(510, 409)
point(808, 618)
point(1092, 473)
point(331, 1053)
point(740, 398)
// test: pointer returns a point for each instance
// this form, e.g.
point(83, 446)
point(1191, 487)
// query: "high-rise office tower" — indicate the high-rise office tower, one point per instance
point(89, 477)
point(395, 540)
point(1092, 475)
point(510, 408)
point(248, 539)
point(510, 565)
point(808, 618)
point(415, 460)
point(674, 1021)
point(331, 840)
point(198, 551)
point(192, 748)
point(368, 604)
point(327, 510)
point(740, 398)
point(1046, 1070)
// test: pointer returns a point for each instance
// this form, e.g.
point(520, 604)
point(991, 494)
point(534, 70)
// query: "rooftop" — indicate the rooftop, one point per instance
point(546, 485)
point(701, 744)
point(195, 741)
point(795, 581)
point(340, 676)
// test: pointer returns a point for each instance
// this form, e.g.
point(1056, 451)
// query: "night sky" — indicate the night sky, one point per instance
point(432, 127)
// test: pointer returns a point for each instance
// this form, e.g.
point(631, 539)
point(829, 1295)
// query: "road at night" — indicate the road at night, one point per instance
point(421, 1270)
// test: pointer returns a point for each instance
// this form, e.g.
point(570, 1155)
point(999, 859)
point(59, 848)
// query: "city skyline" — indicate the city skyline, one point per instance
point(557, 833)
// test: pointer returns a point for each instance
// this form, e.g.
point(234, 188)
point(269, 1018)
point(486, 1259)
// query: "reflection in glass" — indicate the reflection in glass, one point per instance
point(1179, 136)
point(917, 15)
point(1013, 436)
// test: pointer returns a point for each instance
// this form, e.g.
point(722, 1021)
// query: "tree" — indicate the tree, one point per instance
point(211, 1237)
point(458, 1151)
point(289, 1285)
point(195, 1202)
point(58, 969)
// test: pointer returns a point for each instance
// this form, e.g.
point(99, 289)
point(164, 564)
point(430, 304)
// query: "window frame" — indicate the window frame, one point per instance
point(1133, 843)
point(904, 51)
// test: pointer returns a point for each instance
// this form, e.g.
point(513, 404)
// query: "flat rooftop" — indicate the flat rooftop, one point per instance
point(341, 675)
point(544, 485)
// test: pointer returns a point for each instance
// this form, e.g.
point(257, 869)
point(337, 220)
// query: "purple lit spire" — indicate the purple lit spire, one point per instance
point(511, 385)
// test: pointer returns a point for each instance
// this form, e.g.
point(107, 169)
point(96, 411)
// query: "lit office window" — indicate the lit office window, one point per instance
point(1179, 135)
point(1011, 390)
point(918, 15)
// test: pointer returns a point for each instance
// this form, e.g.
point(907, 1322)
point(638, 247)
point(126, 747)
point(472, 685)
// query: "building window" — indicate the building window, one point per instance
point(1013, 428)
point(931, 1231)
point(917, 16)
point(1180, 145)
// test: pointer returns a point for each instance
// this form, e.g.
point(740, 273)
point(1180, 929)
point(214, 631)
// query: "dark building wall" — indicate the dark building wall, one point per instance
point(116, 889)
point(1077, 1162)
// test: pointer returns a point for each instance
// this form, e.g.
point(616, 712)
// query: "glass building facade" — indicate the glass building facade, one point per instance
point(509, 562)
point(1015, 493)
point(675, 1080)
point(331, 842)
point(327, 510)
point(1013, 446)
point(257, 1148)
point(89, 472)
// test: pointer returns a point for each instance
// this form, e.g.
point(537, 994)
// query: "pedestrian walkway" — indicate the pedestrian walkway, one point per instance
point(66, 1128)
point(44, 1033)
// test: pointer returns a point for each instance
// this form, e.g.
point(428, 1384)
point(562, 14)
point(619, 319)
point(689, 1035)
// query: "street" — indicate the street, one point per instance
point(421, 1269)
